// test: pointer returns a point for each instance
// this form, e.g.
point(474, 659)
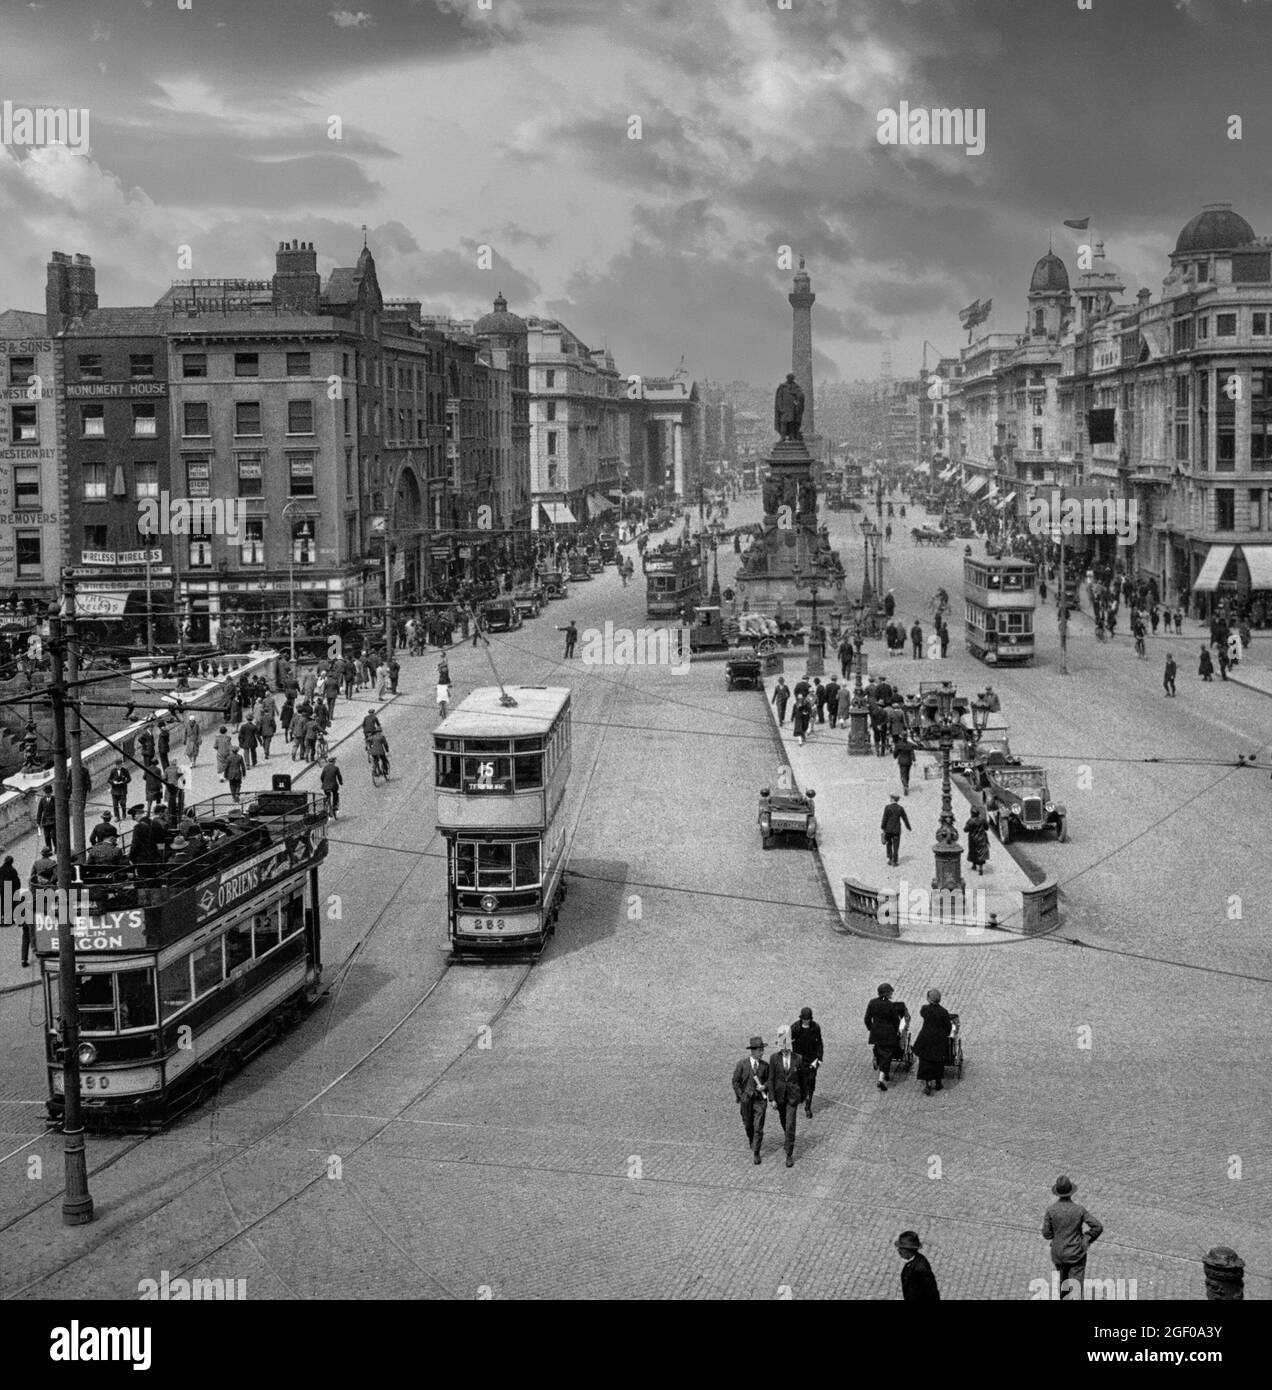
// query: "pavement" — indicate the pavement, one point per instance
point(851, 794)
point(204, 783)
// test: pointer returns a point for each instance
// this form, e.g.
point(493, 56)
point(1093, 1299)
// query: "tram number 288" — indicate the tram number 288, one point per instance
point(485, 923)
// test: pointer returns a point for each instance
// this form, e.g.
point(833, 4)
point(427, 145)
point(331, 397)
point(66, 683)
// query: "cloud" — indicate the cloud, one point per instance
point(349, 19)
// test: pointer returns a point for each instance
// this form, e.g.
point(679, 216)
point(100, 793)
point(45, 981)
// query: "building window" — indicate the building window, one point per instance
point(1254, 521)
point(551, 409)
point(549, 380)
point(247, 364)
point(344, 364)
point(198, 475)
point(1225, 325)
point(303, 542)
point(300, 417)
point(90, 366)
point(247, 417)
point(1037, 407)
point(552, 442)
point(1183, 335)
point(1039, 319)
point(146, 479)
point(26, 487)
point(1181, 443)
point(194, 419)
point(1203, 329)
point(252, 549)
point(1181, 393)
point(297, 364)
point(28, 554)
point(1225, 509)
point(21, 370)
point(300, 471)
point(96, 536)
point(24, 425)
point(141, 366)
point(145, 425)
point(250, 474)
point(347, 417)
point(94, 482)
point(1259, 324)
point(194, 364)
point(200, 553)
point(93, 421)
point(1037, 438)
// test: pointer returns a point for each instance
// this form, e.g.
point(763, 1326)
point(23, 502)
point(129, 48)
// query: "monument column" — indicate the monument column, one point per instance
point(801, 301)
point(677, 455)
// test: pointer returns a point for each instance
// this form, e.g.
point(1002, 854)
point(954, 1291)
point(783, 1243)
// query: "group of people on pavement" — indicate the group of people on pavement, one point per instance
point(786, 1080)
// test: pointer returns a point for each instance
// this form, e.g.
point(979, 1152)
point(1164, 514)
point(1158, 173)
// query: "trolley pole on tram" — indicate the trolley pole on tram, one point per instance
point(79, 792)
point(77, 1204)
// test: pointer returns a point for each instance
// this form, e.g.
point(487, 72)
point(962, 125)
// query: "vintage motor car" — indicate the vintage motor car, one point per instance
point(742, 669)
point(554, 581)
point(1017, 799)
point(579, 566)
point(501, 614)
point(708, 630)
point(608, 546)
point(530, 599)
point(787, 813)
point(595, 563)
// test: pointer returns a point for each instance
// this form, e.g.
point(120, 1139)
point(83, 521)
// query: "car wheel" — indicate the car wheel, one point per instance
point(812, 842)
point(766, 841)
point(1004, 828)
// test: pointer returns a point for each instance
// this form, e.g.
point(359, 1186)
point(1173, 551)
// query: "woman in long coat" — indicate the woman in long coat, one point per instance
point(977, 832)
point(883, 1018)
point(931, 1047)
point(800, 717)
point(193, 740)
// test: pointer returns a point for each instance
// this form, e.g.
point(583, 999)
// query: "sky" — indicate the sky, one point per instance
point(508, 124)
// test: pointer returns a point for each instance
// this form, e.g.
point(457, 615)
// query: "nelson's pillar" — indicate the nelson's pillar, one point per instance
point(801, 301)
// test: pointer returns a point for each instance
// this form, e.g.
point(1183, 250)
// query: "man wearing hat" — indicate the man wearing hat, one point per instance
point(103, 830)
point(883, 1019)
point(785, 1090)
point(1072, 1230)
point(918, 1283)
point(750, 1078)
point(806, 1040)
point(894, 817)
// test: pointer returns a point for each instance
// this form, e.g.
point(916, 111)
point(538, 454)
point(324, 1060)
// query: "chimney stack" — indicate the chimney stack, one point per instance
point(296, 284)
point(70, 290)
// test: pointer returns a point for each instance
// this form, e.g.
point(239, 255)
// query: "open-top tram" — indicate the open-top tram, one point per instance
point(189, 960)
point(502, 763)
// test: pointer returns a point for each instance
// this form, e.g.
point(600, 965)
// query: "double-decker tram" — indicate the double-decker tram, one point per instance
point(675, 578)
point(188, 960)
point(1000, 597)
point(502, 767)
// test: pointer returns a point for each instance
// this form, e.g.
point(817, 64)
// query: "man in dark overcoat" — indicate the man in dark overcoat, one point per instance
point(883, 1020)
point(750, 1081)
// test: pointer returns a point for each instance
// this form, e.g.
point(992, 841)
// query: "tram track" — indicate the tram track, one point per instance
point(219, 1168)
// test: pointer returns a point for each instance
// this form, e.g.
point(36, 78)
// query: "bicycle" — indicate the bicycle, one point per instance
point(332, 798)
point(320, 748)
point(1140, 649)
point(379, 765)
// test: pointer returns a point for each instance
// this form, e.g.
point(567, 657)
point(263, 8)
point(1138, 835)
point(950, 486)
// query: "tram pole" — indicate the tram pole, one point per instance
point(79, 792)
point(1064, 600)
point(77, 1204)
point(388, 595)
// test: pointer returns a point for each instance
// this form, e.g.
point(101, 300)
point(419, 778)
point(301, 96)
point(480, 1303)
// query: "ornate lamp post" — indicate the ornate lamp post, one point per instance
point(868, 533)
point(943, 708)
point(858, 711)
point(816, 646)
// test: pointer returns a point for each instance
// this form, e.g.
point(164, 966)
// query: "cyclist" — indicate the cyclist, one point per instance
point(1138, 629)
point(370, 723)
point(378, 751)
point(331, 781)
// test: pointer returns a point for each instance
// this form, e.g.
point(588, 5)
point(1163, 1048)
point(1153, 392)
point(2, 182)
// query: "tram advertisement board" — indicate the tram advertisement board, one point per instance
point(246, 877)
point(107, 931)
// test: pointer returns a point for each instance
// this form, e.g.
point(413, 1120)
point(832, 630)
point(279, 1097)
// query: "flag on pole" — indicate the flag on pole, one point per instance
point(967, 316)
point(1079, 224)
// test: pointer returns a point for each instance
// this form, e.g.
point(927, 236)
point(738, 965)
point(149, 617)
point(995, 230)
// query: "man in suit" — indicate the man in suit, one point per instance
point(918, 1283)
point(894, 817)
point(806, 1043)
point(750, 1079)
point(785, 1091)
point(1072, 1230)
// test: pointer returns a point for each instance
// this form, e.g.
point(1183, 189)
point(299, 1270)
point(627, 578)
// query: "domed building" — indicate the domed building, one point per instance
point(1215, 232)
point(1048, 298)
point(505, 341)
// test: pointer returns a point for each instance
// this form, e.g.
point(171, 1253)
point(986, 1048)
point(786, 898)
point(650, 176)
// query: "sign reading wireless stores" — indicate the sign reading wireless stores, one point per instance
point(30, 545)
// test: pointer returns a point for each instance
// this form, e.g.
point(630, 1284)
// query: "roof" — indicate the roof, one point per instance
point(1215, 228)
point(500, 321)
point(22, 323)
point(1048, 275)
point(145, 320)
point(481, 715)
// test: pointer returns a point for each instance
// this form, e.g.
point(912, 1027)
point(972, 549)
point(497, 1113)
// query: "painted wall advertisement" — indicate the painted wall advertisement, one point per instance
point(30, 537)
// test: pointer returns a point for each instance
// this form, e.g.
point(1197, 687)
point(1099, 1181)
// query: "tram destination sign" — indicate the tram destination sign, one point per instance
point(251, 875)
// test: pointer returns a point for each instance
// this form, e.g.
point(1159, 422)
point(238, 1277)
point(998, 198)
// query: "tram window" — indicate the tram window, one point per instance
point(494, 867)
point(136, 998)
point(447, 770)
point(238, 946)
point(265, 930)
point(293, 915)
point(174, 986)
point(465, 865)
point(207, 967)
point(487, 773)
point(529, 769)
point(527, 852)
point(96, 1002)
point(1013, 580)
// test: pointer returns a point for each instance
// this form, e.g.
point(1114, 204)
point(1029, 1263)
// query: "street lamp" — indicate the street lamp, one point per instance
point(868, 533)
point(858, 711)
point(943, 708)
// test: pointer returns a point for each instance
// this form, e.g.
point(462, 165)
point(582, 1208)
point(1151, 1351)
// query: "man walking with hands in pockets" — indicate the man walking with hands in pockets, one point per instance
point(785, 1091)
point(750, 1078)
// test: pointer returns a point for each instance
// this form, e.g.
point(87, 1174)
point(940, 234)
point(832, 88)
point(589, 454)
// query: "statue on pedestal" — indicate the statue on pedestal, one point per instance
point(788, 408)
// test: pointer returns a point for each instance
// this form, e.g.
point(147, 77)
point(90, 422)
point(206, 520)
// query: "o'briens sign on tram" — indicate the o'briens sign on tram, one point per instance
point(246, 878)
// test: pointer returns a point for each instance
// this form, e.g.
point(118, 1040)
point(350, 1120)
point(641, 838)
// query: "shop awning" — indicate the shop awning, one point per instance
point(973, 486)
point(558, 513)
point(598, 506)
point(949, 473)
point(1212, 569)
point(1002, 501)
point(1259, 560)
